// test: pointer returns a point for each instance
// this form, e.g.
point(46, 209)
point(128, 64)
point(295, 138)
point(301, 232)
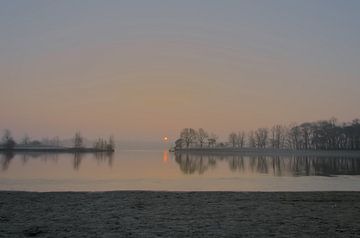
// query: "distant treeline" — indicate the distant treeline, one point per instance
point(9, 143)
point(319, 135)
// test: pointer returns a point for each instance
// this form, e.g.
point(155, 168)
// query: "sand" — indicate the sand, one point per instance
point(179, 214)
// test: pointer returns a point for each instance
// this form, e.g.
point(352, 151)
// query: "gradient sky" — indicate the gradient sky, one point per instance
point(145, 69)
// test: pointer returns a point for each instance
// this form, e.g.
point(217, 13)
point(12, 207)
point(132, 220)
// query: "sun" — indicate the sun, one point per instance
point(166, 138)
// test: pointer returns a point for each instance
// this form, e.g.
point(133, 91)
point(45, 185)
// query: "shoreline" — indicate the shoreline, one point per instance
point(179, 214)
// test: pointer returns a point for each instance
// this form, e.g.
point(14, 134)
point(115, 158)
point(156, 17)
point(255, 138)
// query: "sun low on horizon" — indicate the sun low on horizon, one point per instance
point(187, 118)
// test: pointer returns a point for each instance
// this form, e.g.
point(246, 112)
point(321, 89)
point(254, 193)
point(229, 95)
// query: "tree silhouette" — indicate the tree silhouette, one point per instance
point(7, 140)
point(233, 139)
point(188, 135)
point(78, 140)
point(202, 135)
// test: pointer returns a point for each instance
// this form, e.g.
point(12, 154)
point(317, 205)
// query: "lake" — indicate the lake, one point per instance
point(162, 170)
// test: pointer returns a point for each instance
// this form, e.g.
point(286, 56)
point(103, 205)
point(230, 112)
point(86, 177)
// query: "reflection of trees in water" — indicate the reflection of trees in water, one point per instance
point(265, 164)
point(277, 165)
point(102, 157)
point(305, 165)
point(24, 159)
point(325, 166)
point(5, 158)
point(49, 157)
point(300, 166)
point(45, 157)
point(77, 160)
point(191, 163)
point(262, 165)
point(237, 163)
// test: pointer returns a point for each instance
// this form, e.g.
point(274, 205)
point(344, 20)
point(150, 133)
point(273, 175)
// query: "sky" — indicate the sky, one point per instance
point(141, 70)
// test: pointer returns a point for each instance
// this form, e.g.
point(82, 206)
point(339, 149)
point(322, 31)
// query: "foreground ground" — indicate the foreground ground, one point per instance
point(193, 214)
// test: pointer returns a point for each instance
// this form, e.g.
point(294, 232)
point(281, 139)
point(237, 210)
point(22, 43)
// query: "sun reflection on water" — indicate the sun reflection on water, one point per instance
point(165, 156)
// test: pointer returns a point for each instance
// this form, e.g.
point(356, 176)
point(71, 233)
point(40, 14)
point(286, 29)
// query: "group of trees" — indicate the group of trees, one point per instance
point(103, 144)
point(325, 135)
point(100, 143)
point(190, 137)
point(319, 135)
point(8, 142)
point(237, 139)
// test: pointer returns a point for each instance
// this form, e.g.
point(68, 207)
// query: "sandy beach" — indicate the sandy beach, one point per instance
point(179, 214)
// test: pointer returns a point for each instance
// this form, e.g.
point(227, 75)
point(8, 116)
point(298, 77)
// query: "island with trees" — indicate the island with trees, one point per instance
point(324, 135)
point(76, 144)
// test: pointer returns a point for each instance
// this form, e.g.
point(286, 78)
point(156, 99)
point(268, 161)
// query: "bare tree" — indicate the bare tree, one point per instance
point(277, 136)
point(6, 136)
point(111, 144)
point(100, 144)
point(212, 140)
point(188, 135)
point(233, 139)
point(252, 141)
point(202, 135)
point(261, 136)
point(7, 140)
point(305, 131)
point(78, 140)
point(240, 139)
point(294, 137)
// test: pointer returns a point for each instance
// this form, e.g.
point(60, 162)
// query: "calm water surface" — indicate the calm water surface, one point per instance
point(161, 170)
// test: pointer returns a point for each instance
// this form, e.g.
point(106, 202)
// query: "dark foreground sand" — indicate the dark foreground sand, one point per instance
point(173, 214)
